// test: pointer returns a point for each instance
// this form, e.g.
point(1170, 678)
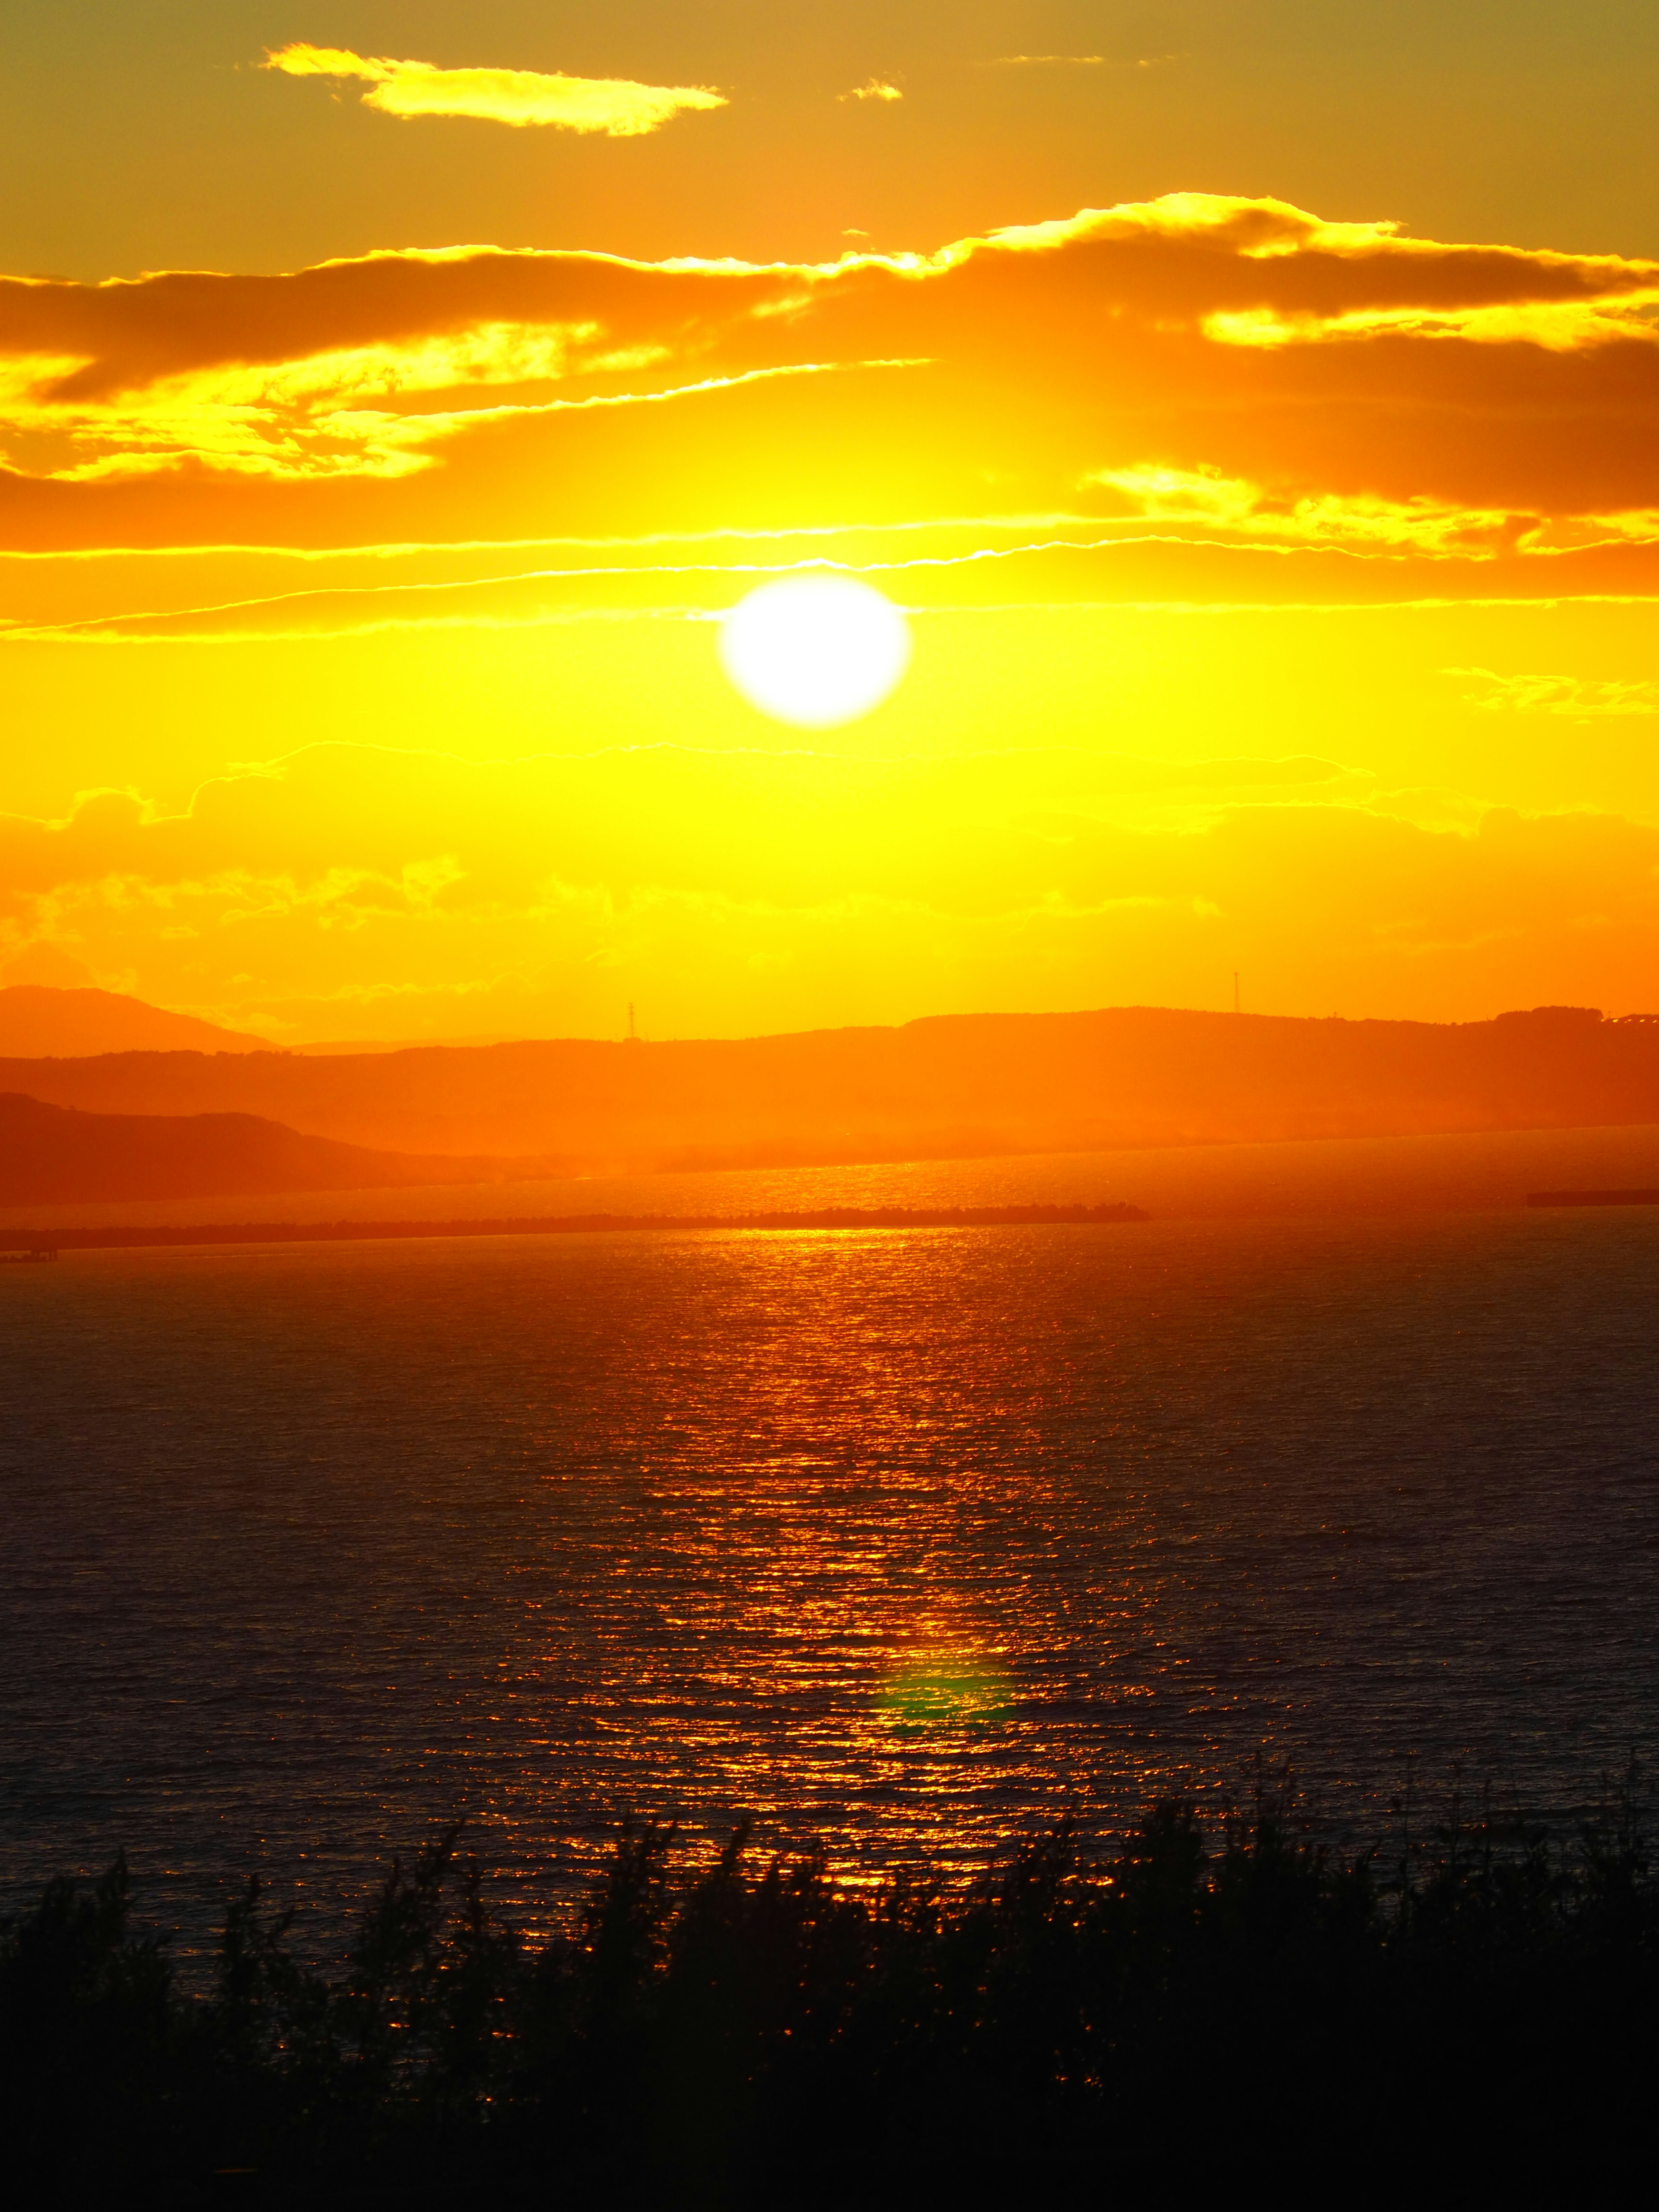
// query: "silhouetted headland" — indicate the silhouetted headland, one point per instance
point(39, 1021)
point(54, 1155)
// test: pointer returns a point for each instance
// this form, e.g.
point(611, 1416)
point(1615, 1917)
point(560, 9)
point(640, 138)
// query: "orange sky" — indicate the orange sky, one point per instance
point(1283, 579)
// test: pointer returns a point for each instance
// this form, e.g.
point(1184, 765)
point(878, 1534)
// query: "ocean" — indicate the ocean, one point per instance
point(903, 1541)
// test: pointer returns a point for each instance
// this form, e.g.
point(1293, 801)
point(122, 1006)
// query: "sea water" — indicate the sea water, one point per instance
point(904, 1541)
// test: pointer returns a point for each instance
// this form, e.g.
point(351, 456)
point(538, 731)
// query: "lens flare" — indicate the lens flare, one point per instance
point(815, 650)
point(949, 1690)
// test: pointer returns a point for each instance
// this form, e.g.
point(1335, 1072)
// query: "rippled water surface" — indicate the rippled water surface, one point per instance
point(910, 1539)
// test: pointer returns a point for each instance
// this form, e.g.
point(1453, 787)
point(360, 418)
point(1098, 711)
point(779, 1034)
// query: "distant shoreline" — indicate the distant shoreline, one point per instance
point(115, 1237)
point(1592, 1198)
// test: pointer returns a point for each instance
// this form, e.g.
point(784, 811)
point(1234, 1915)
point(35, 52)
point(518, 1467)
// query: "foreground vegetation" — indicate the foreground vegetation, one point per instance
point(1254, 2011)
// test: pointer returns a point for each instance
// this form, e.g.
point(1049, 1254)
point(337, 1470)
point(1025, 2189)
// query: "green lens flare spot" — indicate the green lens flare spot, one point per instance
point(944, 1692)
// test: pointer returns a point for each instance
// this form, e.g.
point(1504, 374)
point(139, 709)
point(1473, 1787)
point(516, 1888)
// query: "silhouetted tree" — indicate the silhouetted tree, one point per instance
point(755, 2035)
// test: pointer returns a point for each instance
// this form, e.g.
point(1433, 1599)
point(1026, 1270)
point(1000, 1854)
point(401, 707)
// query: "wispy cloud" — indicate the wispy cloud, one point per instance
point(616, 107)
point(1204, 501)
point(876, 89)
point(1079, 61)
point(1577, 698)
point(362, 871)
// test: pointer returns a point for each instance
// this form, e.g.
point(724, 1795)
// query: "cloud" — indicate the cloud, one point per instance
point(1080, 61)
point(613, 106)
point(1574, 697)
point(1232, 508)
point(1237, 378)
point(875, 88)
point(776, 891)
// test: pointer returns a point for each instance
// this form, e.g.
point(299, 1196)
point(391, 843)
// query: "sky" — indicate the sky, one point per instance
point(1253, 408)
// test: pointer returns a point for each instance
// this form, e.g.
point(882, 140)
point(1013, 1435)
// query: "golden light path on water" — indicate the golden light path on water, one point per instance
point(815, 1617)
point(904, 1544)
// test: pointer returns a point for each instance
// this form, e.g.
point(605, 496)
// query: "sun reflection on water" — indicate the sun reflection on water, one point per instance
point(904, 1544)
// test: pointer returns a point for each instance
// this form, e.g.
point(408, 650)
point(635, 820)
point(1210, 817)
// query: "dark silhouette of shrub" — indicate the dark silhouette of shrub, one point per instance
point(753, 2033)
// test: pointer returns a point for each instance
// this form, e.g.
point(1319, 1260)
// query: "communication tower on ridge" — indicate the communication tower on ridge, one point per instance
point(633, 1034)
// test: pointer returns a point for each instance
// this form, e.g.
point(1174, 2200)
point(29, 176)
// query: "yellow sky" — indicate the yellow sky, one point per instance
point(1282, 578)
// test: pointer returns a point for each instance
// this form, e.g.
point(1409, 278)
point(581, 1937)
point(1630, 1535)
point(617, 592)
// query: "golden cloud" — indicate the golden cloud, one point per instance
point(1230, 376)
point(344, 874)
point(1574, 697)
point(1233, 510)
point(874, 88)
point(616, 107)
point(1080, 61)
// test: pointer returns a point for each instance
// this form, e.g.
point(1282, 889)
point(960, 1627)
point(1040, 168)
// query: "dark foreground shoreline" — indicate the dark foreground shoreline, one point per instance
point(117, 1236)
point(1197, 2010)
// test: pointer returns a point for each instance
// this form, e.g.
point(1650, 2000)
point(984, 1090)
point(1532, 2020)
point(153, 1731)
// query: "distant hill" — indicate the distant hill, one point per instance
point(38, 1022)
point(53, 1155)
point(951, 1087)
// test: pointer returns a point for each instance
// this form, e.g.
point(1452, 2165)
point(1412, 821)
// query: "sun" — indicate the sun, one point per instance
point(815, 650)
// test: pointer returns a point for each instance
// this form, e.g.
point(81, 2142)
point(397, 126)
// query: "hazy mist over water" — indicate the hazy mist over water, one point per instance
point(907, 1539)
point(1469, 1171)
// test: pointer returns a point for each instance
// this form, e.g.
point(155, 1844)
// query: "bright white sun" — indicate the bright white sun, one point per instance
point(815, 650)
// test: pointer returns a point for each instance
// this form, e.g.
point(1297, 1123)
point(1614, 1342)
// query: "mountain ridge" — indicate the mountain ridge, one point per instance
point(42, 1020)
point(945, 1086)
point(59, 1155)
